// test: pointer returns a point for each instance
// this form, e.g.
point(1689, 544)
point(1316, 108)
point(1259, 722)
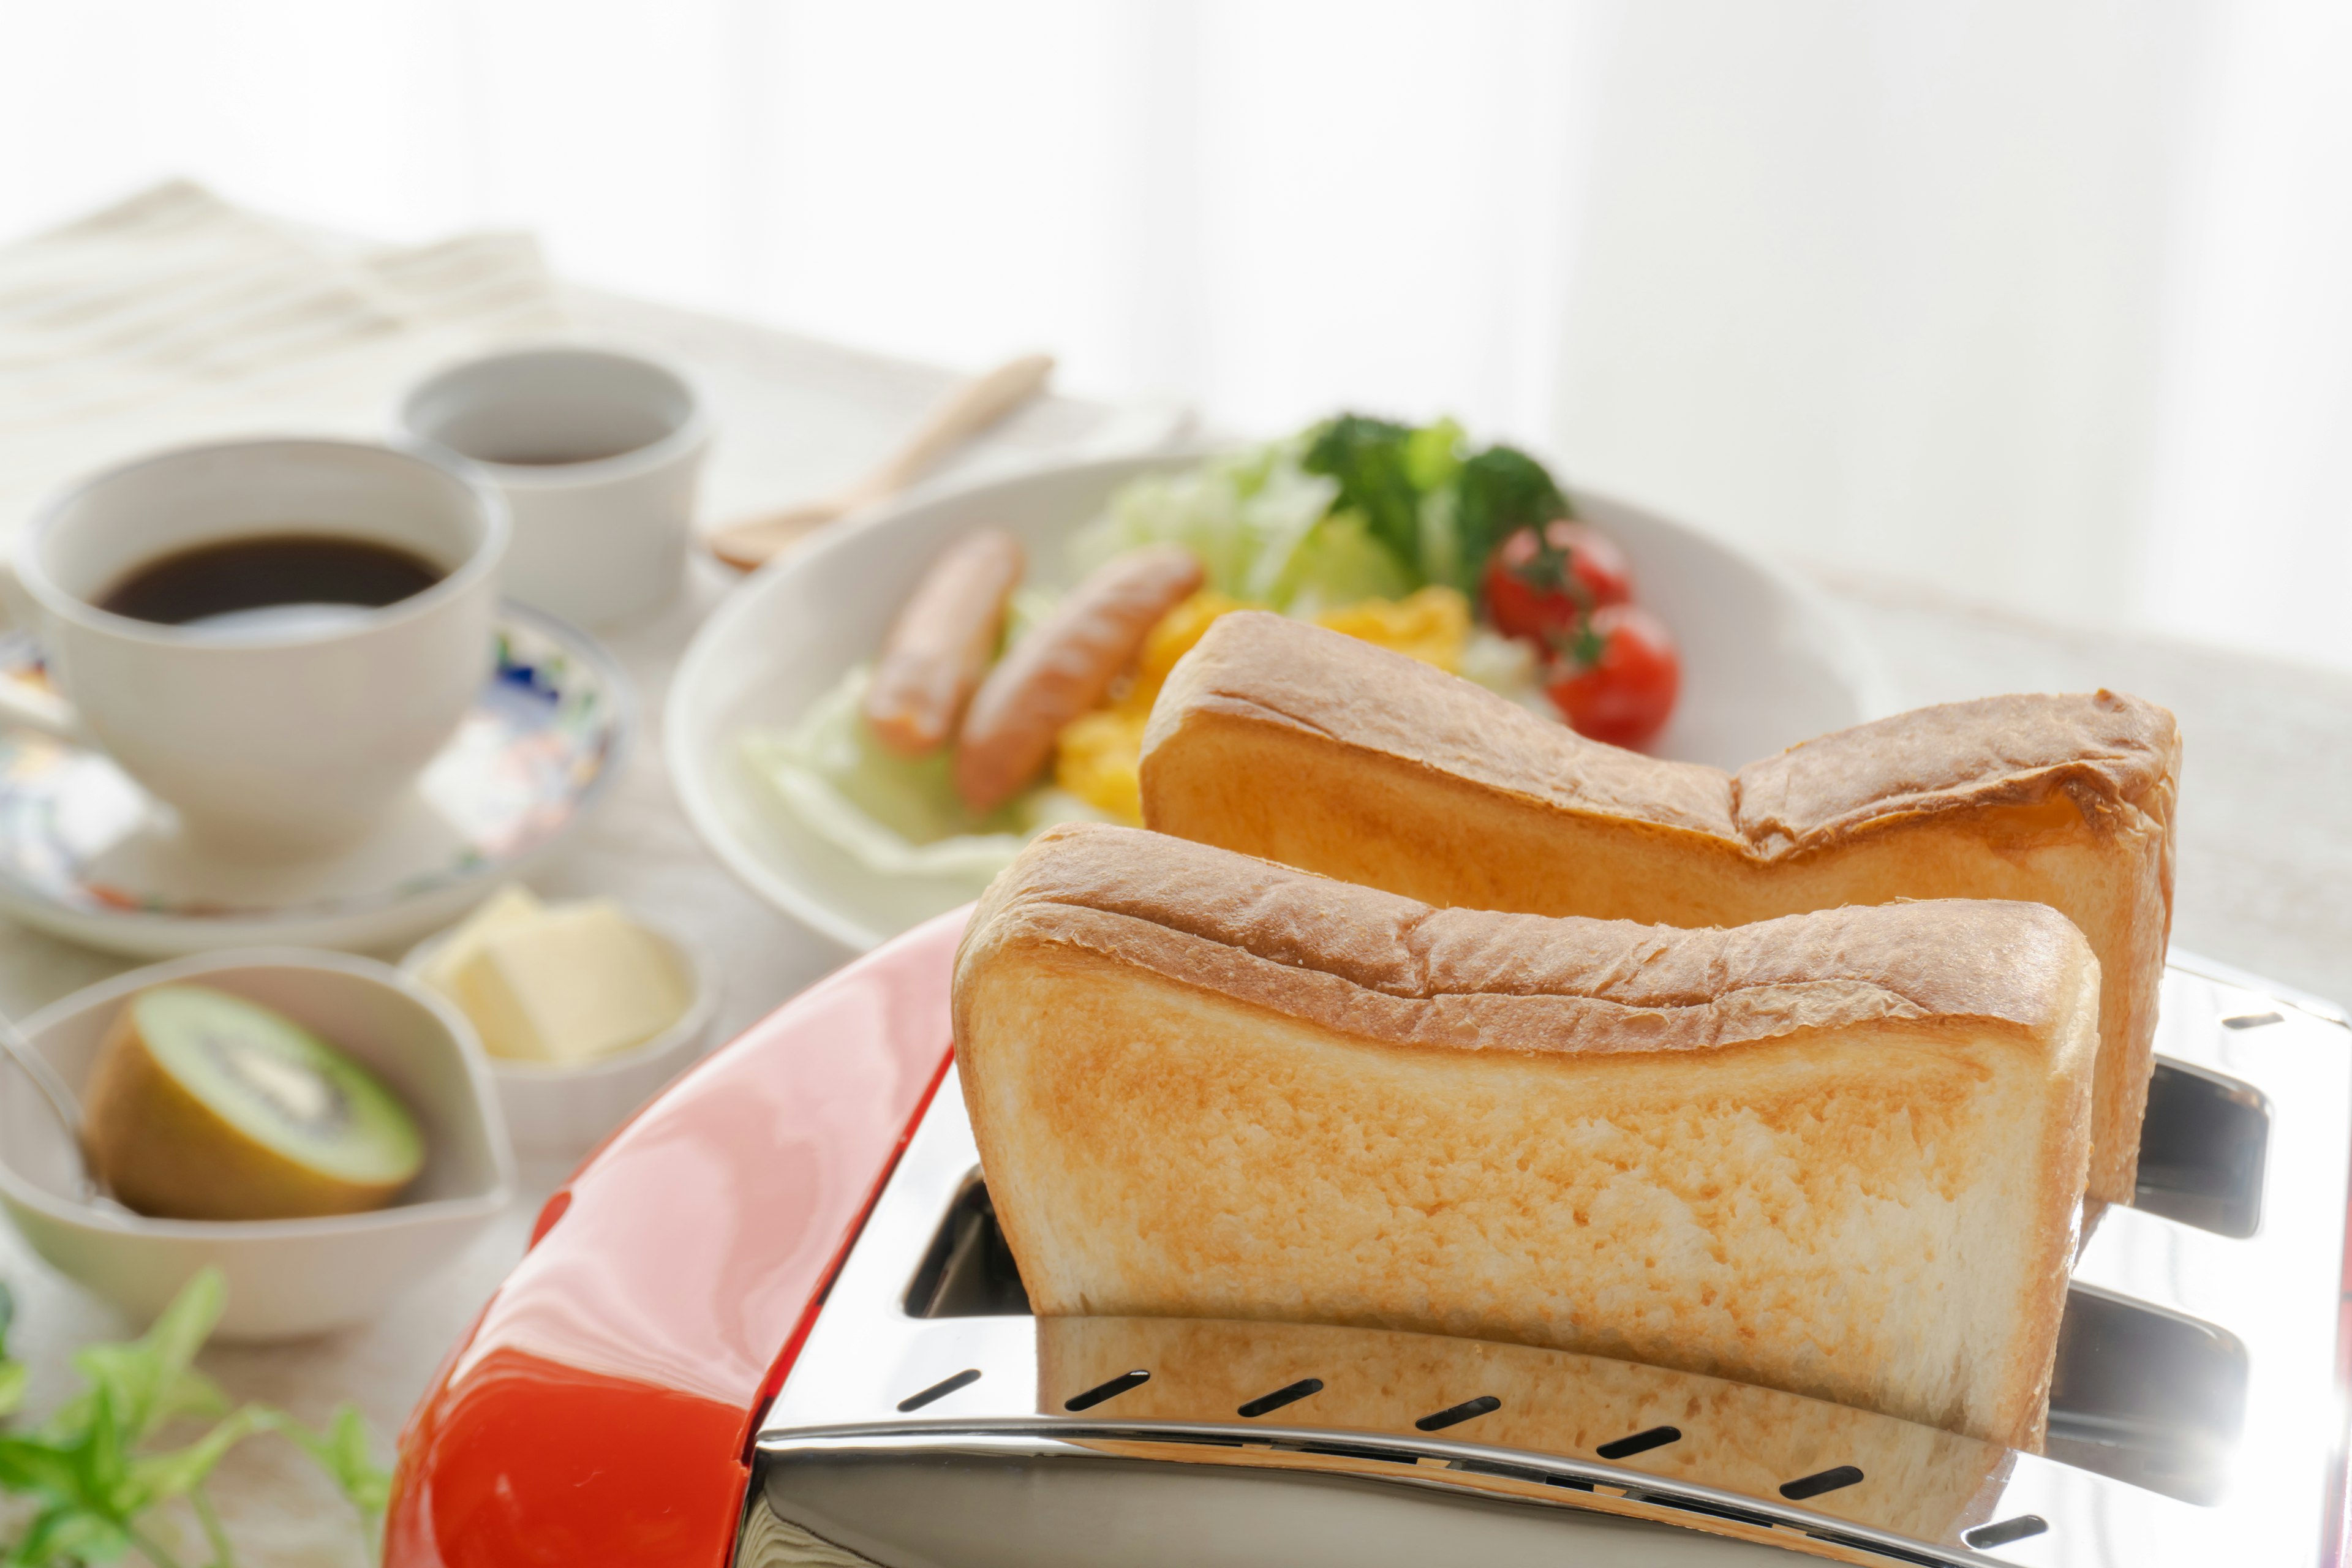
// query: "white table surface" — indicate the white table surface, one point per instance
point(2266, 870)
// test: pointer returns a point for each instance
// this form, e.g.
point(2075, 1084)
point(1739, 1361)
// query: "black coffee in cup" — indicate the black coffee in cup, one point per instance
point(268, 575)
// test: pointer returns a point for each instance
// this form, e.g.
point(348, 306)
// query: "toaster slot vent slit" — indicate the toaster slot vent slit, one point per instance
point(1111, 1389)
point(1985, 1537)
point(1454, 1415)
point(1821, 1482)
point(1640, 1443)
point(939, 1390)
point(1288, 1393)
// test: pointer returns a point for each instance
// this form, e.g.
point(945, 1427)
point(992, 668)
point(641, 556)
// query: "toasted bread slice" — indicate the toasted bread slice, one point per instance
point(1279, 739)
point(1924, 1483)
point(1840, 1155)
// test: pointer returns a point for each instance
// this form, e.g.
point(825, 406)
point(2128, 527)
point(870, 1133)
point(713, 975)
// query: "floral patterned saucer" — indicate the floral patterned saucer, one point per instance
point(85, 853)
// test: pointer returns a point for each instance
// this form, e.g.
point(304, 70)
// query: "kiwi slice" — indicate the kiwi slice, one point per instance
point(206, 1106)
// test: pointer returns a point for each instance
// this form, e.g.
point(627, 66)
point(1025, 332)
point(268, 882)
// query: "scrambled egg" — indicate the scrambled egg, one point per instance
point(1432, 626)
point(1173, 638)
point(1098, 755)
point(1098, 758)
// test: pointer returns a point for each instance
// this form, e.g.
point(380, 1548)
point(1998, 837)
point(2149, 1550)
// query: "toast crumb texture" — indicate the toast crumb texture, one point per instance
point(1839, 1154)
point(1281, 740)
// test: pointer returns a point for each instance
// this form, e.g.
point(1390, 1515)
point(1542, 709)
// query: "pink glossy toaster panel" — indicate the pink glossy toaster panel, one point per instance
point(600, 1410)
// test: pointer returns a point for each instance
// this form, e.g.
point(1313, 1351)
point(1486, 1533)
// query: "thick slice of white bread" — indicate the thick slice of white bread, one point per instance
point(1279, 739)
point(1840, 1155)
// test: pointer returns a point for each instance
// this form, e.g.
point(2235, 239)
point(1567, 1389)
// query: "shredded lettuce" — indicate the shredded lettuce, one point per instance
point(1264, 528)
point(1240, 516)
point(1030, 606)
point(1440, 555)
point(899, 817)
point(1338, 564)
point(1246, 517)
point(1351, 509)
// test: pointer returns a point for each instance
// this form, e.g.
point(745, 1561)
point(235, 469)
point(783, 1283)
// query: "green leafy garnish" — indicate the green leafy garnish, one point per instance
point(92, 1469)
point(1440, 511)
point(1370, 459)
point(12, 1372)
point(1499, 491)
point(343, 1450)
point(1433, 455)
point(1354, 508)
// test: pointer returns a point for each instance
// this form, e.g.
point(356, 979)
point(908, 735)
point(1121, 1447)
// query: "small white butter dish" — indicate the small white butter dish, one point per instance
point(287, 1278)
point(563, 1109)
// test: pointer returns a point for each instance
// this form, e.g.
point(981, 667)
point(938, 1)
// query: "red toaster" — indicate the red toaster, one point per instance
point(772, 1322)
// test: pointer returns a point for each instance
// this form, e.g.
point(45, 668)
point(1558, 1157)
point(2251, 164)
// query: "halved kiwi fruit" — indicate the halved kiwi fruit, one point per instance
point(206, 1106)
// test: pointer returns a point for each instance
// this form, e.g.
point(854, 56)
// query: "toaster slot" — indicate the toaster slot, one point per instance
point(2139, 1393)
point(2201, 1149)
point(968, 1270)
point(2146, 1396)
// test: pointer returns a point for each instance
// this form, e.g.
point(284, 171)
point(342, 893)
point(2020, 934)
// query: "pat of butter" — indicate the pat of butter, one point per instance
point(511, 908)
point(566, 985)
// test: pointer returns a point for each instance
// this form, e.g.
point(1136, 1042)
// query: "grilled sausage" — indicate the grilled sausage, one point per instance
point(939, 646)
point(1064, 669)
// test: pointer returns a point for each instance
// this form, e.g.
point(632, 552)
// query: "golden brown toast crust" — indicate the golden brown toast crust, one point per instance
point(2106, 754)
point(1205, 1085)
point(1365, 765)
point(1254, 665)
point(1370, 963)
point(2103, 752)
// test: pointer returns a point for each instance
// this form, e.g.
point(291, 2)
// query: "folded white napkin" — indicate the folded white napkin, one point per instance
point(177, 317)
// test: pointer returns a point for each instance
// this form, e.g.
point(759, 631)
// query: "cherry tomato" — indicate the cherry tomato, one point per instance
point(1617, 682)
point(1543, 583)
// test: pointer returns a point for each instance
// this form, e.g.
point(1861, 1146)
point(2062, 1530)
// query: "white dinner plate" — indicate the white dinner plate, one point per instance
point(1766, 662)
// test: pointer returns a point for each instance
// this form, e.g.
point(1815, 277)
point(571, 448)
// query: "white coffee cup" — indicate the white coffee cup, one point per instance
point(598, 454)
point(285, 734)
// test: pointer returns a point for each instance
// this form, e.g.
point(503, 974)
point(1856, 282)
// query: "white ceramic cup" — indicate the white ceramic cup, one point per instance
point(278, 738)
point(597, 453)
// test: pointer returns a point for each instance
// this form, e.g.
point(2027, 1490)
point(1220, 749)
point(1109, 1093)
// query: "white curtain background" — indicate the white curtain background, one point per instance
point(2044, 305)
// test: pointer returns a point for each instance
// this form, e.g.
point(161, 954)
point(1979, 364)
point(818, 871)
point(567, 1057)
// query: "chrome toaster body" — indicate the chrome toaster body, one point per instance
point(928, 1422)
